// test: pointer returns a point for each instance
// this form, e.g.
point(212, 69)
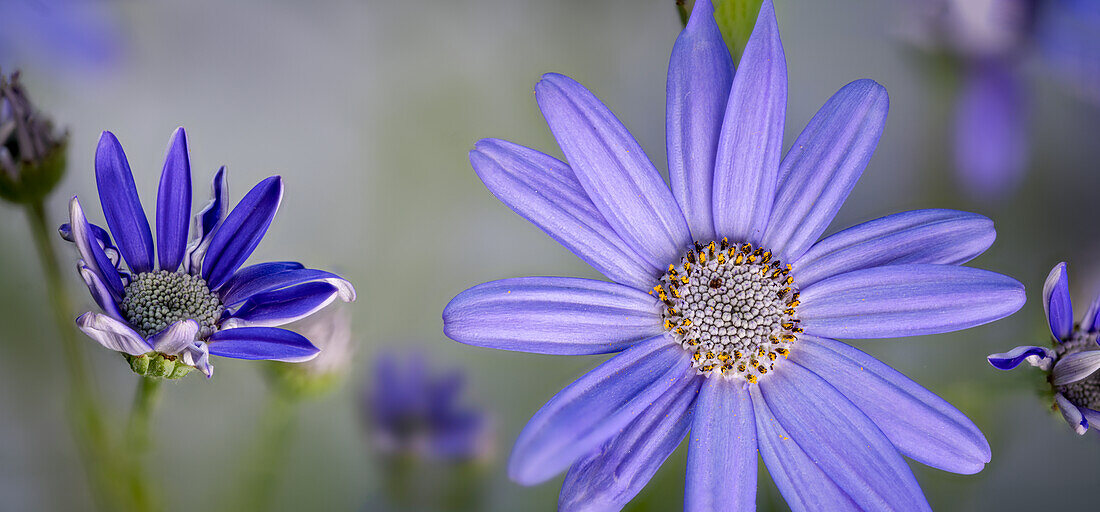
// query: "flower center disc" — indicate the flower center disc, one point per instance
point(1085, 392)
point(155, 300)
point(732, 307)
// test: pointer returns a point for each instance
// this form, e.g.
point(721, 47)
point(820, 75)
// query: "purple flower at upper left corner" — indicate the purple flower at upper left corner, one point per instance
point(169, 314)
point(61, 34)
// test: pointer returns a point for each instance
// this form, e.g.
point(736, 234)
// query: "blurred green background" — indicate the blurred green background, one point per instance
point(368, 108)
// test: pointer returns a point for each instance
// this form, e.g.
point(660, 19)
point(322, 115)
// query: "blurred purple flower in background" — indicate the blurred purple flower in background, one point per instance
point(715, 334)
point(84, 34)
point(1073, 363)
point(412, 410)
point(168, 319)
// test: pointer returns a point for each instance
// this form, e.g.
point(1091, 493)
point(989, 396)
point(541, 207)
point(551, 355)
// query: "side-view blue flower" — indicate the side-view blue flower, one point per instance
point(725, 306)
point(169, 314)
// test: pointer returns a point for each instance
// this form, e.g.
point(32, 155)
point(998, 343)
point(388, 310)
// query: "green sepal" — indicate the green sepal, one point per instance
point(34, 180)
point(156, 365)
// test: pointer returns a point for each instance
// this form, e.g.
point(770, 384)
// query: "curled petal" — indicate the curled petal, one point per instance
point(113, 334)
point(176, 337)
point(101, 236)
point(238, 290)
point(1040, 357)
point(1072, 414)
point(204, 222)
point(1056, 303)
point(100, 292)
point(91, 252)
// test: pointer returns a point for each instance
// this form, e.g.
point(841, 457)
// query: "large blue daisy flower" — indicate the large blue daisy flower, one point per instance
point(169, 315)
point(725, 305)
point(1073, 365)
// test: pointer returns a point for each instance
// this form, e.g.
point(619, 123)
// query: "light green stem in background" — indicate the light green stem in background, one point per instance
point(268, 461)
point(681, 8)
point(145, 400)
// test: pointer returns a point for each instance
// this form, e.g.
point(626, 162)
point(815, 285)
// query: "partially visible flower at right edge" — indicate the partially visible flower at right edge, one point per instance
point(32, 153)
point(1073, 364)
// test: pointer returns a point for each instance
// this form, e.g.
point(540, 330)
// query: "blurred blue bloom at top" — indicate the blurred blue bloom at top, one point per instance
point(991, 39)
point(1073, 365)
point(726, 303)
point(169, 313)
point(59, 33)
point(413, 410)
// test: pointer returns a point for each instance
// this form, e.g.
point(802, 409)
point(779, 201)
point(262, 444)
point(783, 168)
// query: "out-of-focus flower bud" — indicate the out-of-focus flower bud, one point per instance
point(32, 154)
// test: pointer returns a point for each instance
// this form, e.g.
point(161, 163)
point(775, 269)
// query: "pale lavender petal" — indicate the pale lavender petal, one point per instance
point(283, 306)
point(700, 74)
point(1040, 357)
point(823, 166)
point(923, 426)
point(1074, 367)
point(611, 476)
point(1090, 416)
point(594, 408)
point(198, 355)
point(176, 337)
point(239, 234)
point(945, 237)
point(747, 163)
point(121, 205)
point(552, 315)
point(907, 300)
point(99, 234)
point(841, 440)
point(544, 190)
point(611, 166)
point(721, 464)
point(113, 334)
point(991, 139)
point(1072, 414)
point(204, 222)
point(100, 293)
point(262, 343)
point(237, 290)
point(174, 203)
point(802, 483)
point(91, 252)
point(1056, 303)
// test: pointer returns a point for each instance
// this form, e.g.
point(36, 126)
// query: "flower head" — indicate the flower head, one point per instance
point(167, 316)
point(32, 153)
point(725, 305)
point(1073, 364)
point(413, 410)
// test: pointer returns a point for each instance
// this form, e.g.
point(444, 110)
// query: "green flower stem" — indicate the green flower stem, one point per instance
point(145, 400)
point(276, 430)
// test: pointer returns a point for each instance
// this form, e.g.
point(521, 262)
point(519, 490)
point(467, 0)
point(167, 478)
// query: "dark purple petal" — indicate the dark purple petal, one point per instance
point(611, 166)
point(611, 476)
point(1091, 320)
point(99, 234)
point(596, 407)
point(700, 73)
point(545, 191)
point(1057, 304)
point(244, 289)
point(121, 205)
point(907, 300)
point(1072, 414)
point(91, 252)
point(239, 234)
point(1074, 367)
point(991, 139)
point(174, 203)
point(923, 426)
point(721, 465)
point(252, 273)
point(205, 221)
point(945, 237)
point(747, 163)
point(823, 165)
point(802, 483)
point(176, 337)
point(262, 343)
point(841, 440)
point(100, 292)
point(1040, 357)
point(282, 306)
point(113, 334)
point(552, 315)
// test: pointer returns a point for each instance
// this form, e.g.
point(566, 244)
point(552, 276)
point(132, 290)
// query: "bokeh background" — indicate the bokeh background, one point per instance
point(368, 108)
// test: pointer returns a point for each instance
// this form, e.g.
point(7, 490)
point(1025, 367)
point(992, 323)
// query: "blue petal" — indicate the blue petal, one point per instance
point(803, 484)
point(121, 205)
point(91, 252)
point(239, 234)
point(100, 293)
point(721, 464)
point(841, 440)
point(282, 306)
point(100, 235)
point(991, 139)
point(824, 164)
point(611, 166)
point(252, 273)
point(552, 315)
point(946, 237)
point(923, 426)
point(611, 476)
point(1074, 367)
point(907, 300)
point(597, 406)
point(1056, 303)
point(1072, 414)
point(747, 163)
point(262, 343)
point(236, 291)
point(545, 191)
point(113, 334)
point(700, 74)
point(1091, 320)
point(174, 203)
point(1040, 357)
point(205, 221)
